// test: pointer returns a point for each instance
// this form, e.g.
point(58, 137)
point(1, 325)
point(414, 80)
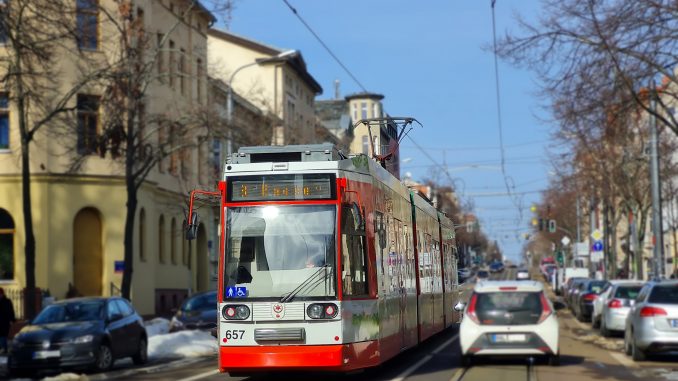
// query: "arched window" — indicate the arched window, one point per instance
point(142, 235)
point(6, 246)
point(161, 239)
point(184, 251)
point(173, 241)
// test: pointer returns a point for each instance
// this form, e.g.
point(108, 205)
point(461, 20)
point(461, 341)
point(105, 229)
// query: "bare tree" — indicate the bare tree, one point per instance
point(36, 35)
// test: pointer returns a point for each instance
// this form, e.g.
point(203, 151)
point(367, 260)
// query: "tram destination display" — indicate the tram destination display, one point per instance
point(282, 187)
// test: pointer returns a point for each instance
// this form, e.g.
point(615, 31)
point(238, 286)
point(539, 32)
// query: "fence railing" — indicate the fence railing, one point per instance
point(17, 298)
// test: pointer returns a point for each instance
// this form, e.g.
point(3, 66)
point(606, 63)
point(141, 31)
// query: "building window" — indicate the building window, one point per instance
point(366, 145)
point(363, 110)
point(353, 254)
point(200, 74)
point(88, 123)
point(290, 112)
point(160, 59)
point(375, 110)
point(182, 71)
point(161, 239)
point(6, 246)
point(87, 18)
point(142, 235)
point(185, 155)
point(172, 63)
point(4, 121)
point(173, 241)
point(355, 112)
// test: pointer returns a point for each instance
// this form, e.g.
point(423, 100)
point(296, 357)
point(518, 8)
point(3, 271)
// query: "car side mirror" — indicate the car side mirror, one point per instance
point(459, 306)
point(115, 317)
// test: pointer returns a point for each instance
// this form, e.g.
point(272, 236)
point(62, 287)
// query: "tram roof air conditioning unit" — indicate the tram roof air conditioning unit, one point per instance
point(279, 154)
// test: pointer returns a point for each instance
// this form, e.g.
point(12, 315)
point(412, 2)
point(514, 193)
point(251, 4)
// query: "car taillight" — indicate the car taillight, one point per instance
point(545, 308)
point(471, 311)
point(652, 311)
point(614, 303)
point(590, 297)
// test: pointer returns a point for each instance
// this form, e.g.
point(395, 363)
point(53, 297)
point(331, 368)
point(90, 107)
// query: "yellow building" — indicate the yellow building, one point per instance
point(79, 216)
point(279, 85)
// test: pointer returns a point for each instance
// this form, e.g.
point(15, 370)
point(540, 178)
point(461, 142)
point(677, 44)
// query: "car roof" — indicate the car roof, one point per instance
point(86, 299)
point(616, 282)
point(498, 285)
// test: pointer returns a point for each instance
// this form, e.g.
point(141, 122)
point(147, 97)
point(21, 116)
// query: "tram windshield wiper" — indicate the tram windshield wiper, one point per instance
point(308, 284)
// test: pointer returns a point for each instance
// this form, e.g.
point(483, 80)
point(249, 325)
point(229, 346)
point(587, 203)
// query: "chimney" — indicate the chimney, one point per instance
point(336, 89)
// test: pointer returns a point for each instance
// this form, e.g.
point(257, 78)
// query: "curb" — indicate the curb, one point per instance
point(159, 366)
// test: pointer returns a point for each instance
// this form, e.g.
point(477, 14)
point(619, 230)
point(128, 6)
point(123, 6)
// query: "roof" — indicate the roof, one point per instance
point(334, 114)
point(512, 285)
point(296, 62)
point(364, 94)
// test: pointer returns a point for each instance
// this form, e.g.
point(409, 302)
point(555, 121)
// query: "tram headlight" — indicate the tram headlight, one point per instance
point(322, 311)
point(235, 312)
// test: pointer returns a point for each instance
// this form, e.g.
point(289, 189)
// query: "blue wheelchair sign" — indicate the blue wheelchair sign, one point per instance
point(236, 292)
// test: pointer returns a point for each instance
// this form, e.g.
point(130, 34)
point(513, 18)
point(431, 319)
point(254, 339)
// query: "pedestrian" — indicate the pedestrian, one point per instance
point(6, 319)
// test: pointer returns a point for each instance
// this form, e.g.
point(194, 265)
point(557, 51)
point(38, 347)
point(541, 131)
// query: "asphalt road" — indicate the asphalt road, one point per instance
point(584, 356)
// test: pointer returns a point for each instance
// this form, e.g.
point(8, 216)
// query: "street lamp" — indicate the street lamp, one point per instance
point(229, 91)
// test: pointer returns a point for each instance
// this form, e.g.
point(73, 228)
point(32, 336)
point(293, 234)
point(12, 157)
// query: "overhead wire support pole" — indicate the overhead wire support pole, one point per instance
point(657, 229)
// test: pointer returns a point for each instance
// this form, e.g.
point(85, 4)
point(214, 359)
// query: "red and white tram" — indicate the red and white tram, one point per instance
point(326, 262)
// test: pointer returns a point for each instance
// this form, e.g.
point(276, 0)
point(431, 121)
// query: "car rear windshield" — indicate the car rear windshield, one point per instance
point(627, 292)
point(597, 286)
point(664, 295)
point(503, 308)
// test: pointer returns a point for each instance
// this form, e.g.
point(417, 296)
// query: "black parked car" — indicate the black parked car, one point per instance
point(197, 312)
point(80, 333)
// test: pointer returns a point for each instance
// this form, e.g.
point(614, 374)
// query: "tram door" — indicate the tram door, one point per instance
point(400, 249)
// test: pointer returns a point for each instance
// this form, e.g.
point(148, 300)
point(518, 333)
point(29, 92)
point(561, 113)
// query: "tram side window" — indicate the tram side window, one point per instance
point(354, 254)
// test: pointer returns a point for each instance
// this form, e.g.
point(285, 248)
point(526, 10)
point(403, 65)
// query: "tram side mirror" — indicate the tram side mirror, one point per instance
point(192, 227)
point(459, 306)
point(358, 217)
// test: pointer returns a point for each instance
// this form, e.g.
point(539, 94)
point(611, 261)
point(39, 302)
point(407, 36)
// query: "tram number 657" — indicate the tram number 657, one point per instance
point(234, 334)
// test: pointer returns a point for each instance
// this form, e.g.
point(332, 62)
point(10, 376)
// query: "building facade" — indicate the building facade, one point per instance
point(79, 213)
point(275, 81)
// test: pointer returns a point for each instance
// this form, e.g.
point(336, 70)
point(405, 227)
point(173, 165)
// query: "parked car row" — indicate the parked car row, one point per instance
point(91, 333)
point(646, 314)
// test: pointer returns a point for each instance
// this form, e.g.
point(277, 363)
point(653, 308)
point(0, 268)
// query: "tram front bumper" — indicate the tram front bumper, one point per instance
point(300, 357)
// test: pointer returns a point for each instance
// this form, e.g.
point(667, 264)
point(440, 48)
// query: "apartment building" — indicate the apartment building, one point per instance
point(79, 210)
point(274, 80)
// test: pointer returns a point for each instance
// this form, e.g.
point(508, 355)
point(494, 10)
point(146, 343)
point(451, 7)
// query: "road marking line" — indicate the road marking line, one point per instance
point(201, 375)
point(458, 374)
point(421, 362)
point(622, 359)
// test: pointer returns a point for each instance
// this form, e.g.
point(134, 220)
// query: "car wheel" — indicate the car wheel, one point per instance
point(142, 355)
point(466, 361)
point(627, 343)
point(636, 353)
point(554, 360)
point(604, 332)
point(104, 359)
point(595, 322)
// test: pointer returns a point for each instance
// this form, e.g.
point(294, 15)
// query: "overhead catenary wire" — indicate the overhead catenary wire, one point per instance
point(334, 56)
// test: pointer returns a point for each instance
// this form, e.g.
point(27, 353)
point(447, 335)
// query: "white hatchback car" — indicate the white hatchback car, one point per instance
point(508, 318)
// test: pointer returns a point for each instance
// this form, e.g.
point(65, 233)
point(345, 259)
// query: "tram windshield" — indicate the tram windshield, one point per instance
point(274, 250)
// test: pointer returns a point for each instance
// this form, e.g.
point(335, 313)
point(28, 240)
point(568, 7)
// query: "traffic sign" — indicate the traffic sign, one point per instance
point(565, 241)
point(597, 234)
point(597, 246)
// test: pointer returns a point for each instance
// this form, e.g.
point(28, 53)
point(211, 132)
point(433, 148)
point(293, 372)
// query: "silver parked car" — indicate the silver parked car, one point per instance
point(652, 322)
point(613, 305)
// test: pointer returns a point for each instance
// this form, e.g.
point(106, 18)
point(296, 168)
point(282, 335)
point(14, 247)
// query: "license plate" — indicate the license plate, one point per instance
point(46, 354)
point(508, 338)
point(674, 323)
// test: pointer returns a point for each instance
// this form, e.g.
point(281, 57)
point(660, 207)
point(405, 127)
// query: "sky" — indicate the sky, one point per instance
point(432, 60)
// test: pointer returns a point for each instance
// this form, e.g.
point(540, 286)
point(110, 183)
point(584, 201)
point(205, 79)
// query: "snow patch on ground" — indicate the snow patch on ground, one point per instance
point(182, 344)
point(67, 377)
point(157, 326)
